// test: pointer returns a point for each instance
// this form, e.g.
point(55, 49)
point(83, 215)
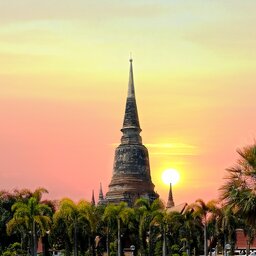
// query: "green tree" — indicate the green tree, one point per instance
point(226, 224)
point(203, 211)
point(190, 231)
point(161, 220)
point(93, 215)
point(73, 217)
point(238, 192)
point(120, 213)
point(13, 250)
point(146, 213)
point(32, 215)
point(60, 234)
point(20, 233)
point(7, 199)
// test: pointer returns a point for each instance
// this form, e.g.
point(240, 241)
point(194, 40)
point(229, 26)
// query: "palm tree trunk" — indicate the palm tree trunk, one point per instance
point(149, 242)
point(45, 244)
point(34, 240)
point(68, 248)
point(119, 253)
point(224, 248)
point(75, 239)
point(205, 240)
point(107, 242)
point(93, 244)
point(164, 242)
point(22, 241)
point(89, 245)
point(248, 247)
point(142, 242)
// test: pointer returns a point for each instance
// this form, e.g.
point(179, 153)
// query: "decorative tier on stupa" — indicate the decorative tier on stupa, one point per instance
point(131, 172)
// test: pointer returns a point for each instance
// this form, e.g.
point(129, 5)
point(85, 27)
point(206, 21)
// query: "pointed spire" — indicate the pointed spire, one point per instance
point(170, 202)
point(131, 125)
point(93, 199)
point(131, 91)
point(101, 198)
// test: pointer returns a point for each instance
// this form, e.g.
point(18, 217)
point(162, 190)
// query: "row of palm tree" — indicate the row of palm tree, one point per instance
point(84, 228)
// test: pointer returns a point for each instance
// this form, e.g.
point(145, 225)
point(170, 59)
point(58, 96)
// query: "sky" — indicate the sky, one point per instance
point(64, 69)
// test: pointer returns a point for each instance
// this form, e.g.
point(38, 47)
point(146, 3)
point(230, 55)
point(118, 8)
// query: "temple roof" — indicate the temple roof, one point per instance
point(178, 208)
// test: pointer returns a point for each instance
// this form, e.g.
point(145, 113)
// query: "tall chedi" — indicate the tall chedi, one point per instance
point(131, 172)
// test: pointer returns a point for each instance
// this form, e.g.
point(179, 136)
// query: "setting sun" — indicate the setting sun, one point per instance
point(170, 176)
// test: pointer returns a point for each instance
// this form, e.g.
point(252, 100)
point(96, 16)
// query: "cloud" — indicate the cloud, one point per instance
point(80, 9)
point(170, 145)
point(172, 149)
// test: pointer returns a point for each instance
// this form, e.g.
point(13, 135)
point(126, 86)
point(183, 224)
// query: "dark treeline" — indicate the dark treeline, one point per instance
point(86, 229)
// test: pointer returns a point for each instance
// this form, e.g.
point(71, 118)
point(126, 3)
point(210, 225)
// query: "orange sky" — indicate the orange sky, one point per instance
point(63, 83)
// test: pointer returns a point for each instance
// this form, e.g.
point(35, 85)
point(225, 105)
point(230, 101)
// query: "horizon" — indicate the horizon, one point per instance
point(64, 76)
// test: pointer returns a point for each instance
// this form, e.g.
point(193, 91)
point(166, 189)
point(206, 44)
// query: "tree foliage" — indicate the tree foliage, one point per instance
point(239, 191)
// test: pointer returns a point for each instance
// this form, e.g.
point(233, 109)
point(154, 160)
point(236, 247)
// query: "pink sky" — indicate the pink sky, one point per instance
point(63, 84)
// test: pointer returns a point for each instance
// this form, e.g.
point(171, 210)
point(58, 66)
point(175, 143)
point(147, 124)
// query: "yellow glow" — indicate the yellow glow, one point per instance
point(170, 176)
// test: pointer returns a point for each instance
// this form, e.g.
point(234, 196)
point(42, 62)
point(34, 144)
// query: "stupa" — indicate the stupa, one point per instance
point(131, 177)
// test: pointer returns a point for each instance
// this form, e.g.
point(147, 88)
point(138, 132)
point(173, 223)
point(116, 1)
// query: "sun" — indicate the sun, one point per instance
point(170, 176)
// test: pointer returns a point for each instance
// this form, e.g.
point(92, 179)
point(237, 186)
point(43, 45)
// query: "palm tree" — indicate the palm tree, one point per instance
point(162, 218)
point(7, 199)
point(120, 213)
point(34, 216)
point(203, 210)
point(93, 215)
point(72, 214)
point(239, 192)
point(45, 238)
point(60, 233)
point(190, 229)
point(146, 213)
point(226, 223)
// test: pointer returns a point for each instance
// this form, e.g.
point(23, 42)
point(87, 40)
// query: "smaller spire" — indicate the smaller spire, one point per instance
point(170, 202)
point(101, 198)
point(93, 199)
